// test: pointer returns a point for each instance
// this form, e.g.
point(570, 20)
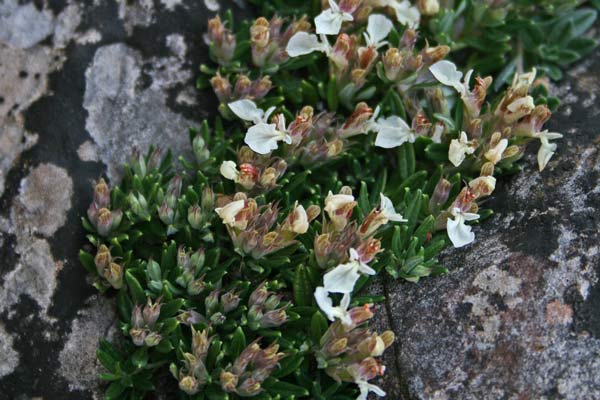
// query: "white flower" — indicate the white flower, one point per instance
point(326, 305)
point(230, 211)
point(494, 154)
point(447, 74)
point(249, 111)
point(262, 137)
point(547, 149)
point(378, 28)
point(459, 233)
point(303, 43)
point(406, 14)
point(366, 387)
point(229, 171)
point(459, 148)
point(335, 202)
point(393, 132)
point(329, 22)
point(388, 211)
point(342, 278)
point(212, 5)
point(300, 219)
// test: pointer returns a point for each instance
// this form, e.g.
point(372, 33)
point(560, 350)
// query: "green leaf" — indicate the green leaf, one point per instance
point(87, 260)
point(318, 326)
point(137, 293)
point(114, 391)
point(302, 287)
point(238, 342)
point(284, 389)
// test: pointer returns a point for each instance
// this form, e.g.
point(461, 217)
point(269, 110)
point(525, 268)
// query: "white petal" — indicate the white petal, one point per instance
point(446, 73)
point(304, 43)
point(388, 209)
point(247, 110)
point(354, 254)
point(329, 22)
point(469, 216)
point(365, 269)
point(545, 153)
point(229, 170)
point(460, 234)
point(456, 152)
point(392, 132)
point(378, 28)
point(406, 14)
point(300, 224)
point(212, 5)
point(342, 278)
point(262, 138)
point(229, 211)
point(324, 302)
point(550, 135)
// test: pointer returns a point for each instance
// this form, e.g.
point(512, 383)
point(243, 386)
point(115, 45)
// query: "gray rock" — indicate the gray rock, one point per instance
point(24, 26)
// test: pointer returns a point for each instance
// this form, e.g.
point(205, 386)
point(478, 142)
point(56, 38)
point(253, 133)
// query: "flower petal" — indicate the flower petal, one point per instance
point(342, 278)
point(304, 43)
point(447, 74)
point(212, 5)
point(378, 28)
point(247, 110)
point(329, 22)
point(388, 209)
point(229, 211)
point(460, 234)
point(406, 14)
point(392, 132)
point(545, 153)
point(456, 152)
point(229, 170)
point(262, 138)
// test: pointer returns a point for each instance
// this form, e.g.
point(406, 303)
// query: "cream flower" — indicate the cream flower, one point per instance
point(212, 5)
point(229, 212)
point(303, 43)
point(459, 148)
point(405, 12)
point(332, 312)
point(342, 278)
point(459, 233)
point(447, 74)
point(330, 21)
point(366, 387)
point(229, 171)
point(547, 149)
point(378, 28)
point(494, 154)
point(388, 211)
point(262, 137)
point(300, 219)
point(393, 132)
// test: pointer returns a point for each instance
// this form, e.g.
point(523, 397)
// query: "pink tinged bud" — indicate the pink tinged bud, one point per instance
point(153, 339)
point(339, 208)
point(349, 6)
point(242, 87)
point(272, 302)
point(92, 213)
point(221, 87)
point(196, 287)
point(342, 51)
point(102, 259)
point(392, 63)
point(360, 315)
point(356, 123)
point(189, 385)
point(268, 179)
point(228, 381)
point(368, 250)
point(151, 312)
point(102, 194)
point(250, 387)
point(274, 318)
point(104, 222)
point(409, 38)
point(114, 275)
point(336, 347)
point(369, 369)
point(195, 217)
point(137, 319)
point(260, 33)
point(248, 176)
point(230, 301)
point(138, 336)
point(217, 319)
point(260, 88)
point(166, 214)
point(211, 303)
point(247, 355)
point(440, 194)
point(366, 57)
point(200, 343)
point(259, 295)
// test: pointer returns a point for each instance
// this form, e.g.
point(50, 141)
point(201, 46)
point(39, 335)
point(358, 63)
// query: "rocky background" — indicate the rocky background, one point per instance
point(82, 83)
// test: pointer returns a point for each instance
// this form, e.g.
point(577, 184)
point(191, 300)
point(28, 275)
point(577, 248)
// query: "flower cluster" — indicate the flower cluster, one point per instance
point(144, 330)
point(250, 226)
point(99, 213)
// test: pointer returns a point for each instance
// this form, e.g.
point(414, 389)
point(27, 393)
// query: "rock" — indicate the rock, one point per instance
point(513, 317)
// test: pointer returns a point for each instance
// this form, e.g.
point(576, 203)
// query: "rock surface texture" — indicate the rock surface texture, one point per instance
point(82, 83)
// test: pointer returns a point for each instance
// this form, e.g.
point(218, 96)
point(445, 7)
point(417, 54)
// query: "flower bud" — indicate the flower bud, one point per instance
point(230, 301)
point(195, 216)
point(200, 343)
point(512, 151)
point(313, 212)
point(368, 250)
point(259, 295)
point(359, 315)
point(431, 55)
point(189, 385)
point(151, 312)
point(250, 387)
point(114, 275)
point(138, 336)
point(221, 87)
point(487, 169)
point(429, 7)
point(268, 179)
point(242, 87)
point(196, 287)
point(357, 123)
point(153, 339)
point(228, 381)
point(409, 38)
point(248, 176)
point(102, 259)
point(217, 319)
point(369, 369)
point(247, 355)
point(388, 338)
point(274, 318)
point(102, 194)
point(260, 88)
point(392, 63)
point(201, 152)
point(440, 195)
point(483, 185)
point(211, 302)
point(259, 33)
point(104, 221)
point(336, 347)
point(208, 199)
